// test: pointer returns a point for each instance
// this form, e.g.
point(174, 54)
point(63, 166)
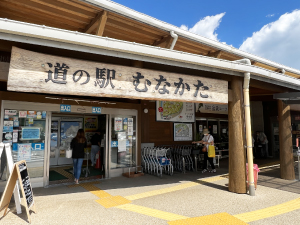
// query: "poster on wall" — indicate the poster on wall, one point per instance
point(118, 124)
point(122, 145)
point(130, 122)
point(8, 126)
point(175, 111)
point(24, 152)
point(211, 108)
point(31, 133)
point(215, 129)
point(90, 123)
point(183, 131)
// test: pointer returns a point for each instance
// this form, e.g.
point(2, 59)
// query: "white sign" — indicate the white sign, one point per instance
point(24, 152)
point(43, 73)
point(118, 124)
point(175, 111)
point(183, 132)
point(130, 131)
point(121, 145)
point(211, 108)
point(10, 112)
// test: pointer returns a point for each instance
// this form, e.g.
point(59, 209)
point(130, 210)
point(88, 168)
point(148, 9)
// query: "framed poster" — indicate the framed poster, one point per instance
point(31, 133)
point(175, 111)
point(183, 131)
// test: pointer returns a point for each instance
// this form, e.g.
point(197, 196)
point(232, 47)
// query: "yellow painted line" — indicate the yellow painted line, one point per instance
point(112, 201)
point(270, 211)
point(151, 212)
point(171, 189)
point(214, 219)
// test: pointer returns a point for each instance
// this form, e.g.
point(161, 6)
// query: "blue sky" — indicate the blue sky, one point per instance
point(276, 23)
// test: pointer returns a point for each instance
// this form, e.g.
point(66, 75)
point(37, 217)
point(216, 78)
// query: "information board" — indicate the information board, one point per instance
point(183, 132)
point(175, 111)
point(26, 183)
point(31, 133)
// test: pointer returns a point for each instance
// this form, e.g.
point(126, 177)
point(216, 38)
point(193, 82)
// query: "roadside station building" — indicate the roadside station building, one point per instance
point(96, 64)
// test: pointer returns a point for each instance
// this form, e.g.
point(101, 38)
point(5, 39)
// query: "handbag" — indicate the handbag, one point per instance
point(69, 153)
point(204, 149)
point(211, 151)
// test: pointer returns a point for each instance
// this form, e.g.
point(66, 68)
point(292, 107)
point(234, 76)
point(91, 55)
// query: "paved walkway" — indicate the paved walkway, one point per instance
point(191, 198)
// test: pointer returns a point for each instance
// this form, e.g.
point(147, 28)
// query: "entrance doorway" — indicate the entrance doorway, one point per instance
point(63, 129)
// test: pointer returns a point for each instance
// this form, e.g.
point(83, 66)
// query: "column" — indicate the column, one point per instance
point(237, 161)
point(285, 141)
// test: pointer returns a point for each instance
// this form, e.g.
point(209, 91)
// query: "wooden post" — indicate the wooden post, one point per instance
point(285, 141)
point(237, 161)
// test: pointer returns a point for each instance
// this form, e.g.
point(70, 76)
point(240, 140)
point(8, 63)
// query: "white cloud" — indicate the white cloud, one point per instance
point(270, 15)
point(278, 41)
point(206, 27)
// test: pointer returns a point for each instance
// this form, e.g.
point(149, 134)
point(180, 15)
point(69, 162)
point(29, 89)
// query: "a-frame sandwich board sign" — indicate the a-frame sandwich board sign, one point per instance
point(9, 166)
point(19, 172)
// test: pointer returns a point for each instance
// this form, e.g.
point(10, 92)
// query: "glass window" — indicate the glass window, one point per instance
point(25, 131)
point(123, 141)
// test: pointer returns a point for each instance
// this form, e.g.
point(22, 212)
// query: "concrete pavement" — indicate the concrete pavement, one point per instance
point(191, 198)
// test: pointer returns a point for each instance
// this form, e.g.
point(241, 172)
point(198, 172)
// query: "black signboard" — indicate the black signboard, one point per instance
point(26, 184)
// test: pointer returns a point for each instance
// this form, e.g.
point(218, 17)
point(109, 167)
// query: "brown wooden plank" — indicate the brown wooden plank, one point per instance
point(44, 9)
point(78, 4)
point(134, 23)
point(132, 29)
point(125, 35)
point(61, 6)
point(37, 18)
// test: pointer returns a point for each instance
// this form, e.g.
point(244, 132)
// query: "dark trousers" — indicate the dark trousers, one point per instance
point(210, 160)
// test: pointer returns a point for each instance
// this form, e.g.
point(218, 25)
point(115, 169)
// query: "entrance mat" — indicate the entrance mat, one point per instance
point(53, 176)
point(93, 171)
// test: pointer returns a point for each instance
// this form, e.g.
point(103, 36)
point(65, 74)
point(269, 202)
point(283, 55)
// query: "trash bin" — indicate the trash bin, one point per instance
point(255, 174)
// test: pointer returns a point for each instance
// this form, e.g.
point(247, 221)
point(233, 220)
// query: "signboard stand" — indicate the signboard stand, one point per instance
point(10, 166)
point(19, 172)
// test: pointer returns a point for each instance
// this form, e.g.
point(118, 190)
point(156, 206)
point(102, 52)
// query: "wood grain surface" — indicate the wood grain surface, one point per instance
point(29, 71)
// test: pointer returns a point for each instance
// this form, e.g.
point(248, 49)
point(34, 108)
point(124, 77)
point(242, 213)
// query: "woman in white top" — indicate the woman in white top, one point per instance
point(207, 140)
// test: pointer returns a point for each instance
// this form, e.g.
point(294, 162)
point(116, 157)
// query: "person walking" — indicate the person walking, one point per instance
point(78, 144)
point(207, 140)
point(95, 146)
point(262, 139)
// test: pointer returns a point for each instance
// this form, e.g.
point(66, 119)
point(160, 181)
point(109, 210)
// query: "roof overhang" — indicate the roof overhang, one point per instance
point(65, 39)
point(130, 13)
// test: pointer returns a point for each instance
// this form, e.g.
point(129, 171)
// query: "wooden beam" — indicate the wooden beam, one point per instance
point(101, 25)
point(216, 54)
point(164, 42)
point(253, 63)
point(97, 23)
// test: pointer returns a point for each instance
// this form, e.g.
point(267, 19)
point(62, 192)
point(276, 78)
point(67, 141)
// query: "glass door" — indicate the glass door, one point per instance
point(63, 130)
point(122, 142)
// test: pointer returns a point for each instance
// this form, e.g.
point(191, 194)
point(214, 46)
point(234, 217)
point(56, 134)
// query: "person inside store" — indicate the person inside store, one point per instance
point(95, 146)
point(208, 139)
point(78, 144)
point(261, 139)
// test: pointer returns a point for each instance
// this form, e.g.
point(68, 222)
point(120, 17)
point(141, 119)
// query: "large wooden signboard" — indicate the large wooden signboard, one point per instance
point(19, 172)
point(36, 72)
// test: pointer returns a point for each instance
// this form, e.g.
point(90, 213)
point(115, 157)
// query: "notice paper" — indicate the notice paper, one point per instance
point(122, 145)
